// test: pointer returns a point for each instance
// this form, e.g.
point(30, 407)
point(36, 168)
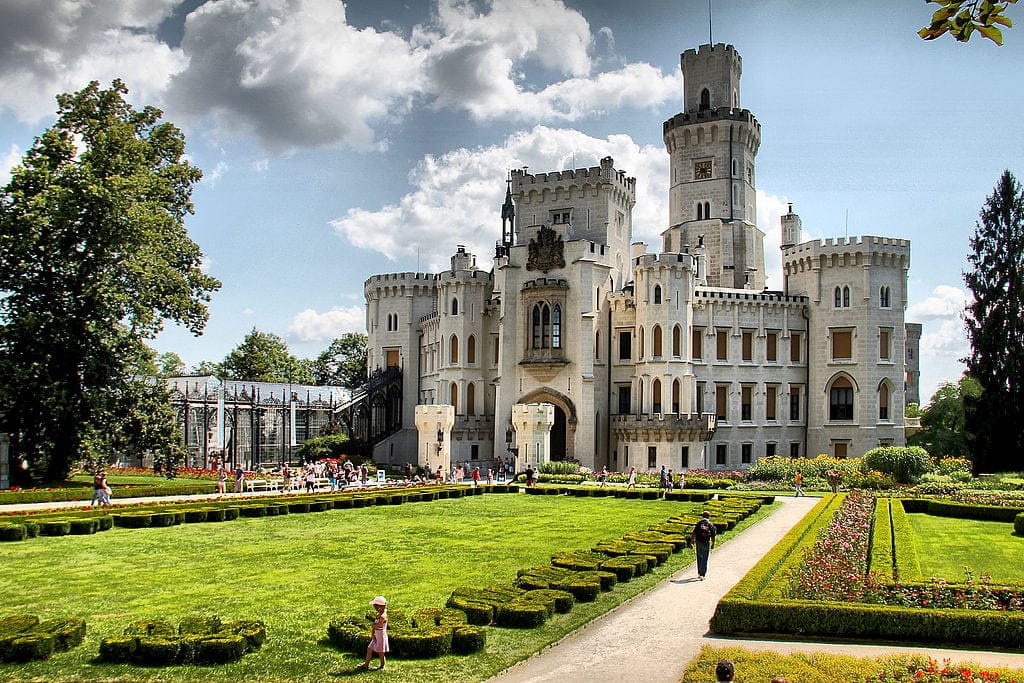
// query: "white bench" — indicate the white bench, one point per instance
point(253, 485)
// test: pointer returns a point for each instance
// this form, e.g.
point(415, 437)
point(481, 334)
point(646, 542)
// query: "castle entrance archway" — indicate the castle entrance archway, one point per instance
point(563, 432)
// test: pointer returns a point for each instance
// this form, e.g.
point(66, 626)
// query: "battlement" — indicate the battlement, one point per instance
point(842, 245)
point(605, 173)
point(707, 51)
point(709, 115)
point(546, 283)
point(466, 275)
point(713, 293)
point(666, 259)
point(388, 279)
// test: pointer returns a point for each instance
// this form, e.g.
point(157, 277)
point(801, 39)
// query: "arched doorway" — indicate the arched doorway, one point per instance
point(558, 436)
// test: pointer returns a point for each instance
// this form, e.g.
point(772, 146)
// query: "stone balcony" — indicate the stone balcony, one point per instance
point(664, 427)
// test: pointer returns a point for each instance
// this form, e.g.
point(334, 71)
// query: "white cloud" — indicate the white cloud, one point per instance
point(457, 196)
point(771, 208)
point(945, 303)
point(213, 176)
point(10, 160)
point(310, 326)
point(52, 47)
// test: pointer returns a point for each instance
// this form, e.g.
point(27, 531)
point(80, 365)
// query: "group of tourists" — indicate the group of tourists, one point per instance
point(100, 489)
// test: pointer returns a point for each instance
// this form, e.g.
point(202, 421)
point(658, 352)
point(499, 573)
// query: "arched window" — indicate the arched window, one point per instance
point(677, 341)
point(883, 401)
point(597, 345)
point(735, 168)
point(455, 306)
point(657, 294)
point(541, 324)
point(470, 399)
point(707, 210)
point(839, 297)
point(642, 349)
point(656, 396)
point(640, 396)
point(453, 350)
point(883, 298)
point(840, 400)
point(846, 297)
point(700, 211)
point(676, 391)
point(556, 327)
point(656, 341)
point(453, 393)
point(471, 350)
point(705, 99)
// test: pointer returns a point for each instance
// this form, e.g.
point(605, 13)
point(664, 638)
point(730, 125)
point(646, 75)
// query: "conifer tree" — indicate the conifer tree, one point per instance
point(995, 330)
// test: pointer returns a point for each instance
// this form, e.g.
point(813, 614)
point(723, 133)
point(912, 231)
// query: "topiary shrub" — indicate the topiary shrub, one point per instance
point(343, 503)
point(583, 590)
point(606, 579)
point(420, 644)
point(320, 506)
point(232, 513)
point(13, 532)
point(199, 625)
point(197, 515)
point(157, 650)
point(133, 520)
point(220, 649)
point(521, 615)
point(149, 627)
point(104, 523)
point(298, 506)
point(254, 631)
point(161, 519)
point(622, 567)
point(32, 529)
point(27, 647)
point(118, 649)
point(55, 527)
point(67, 633)
point(477, 613)
point(17, 623)
point(468, 639)
point(349, 634)
point(272, 510)
point(254, 510)
point(1018, 524)
point(905, 464)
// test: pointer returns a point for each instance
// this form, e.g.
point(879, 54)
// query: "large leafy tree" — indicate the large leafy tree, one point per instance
point(943, 428)
point(995, 330)
point(264, 357)
point(94, 258)
point(343, 363)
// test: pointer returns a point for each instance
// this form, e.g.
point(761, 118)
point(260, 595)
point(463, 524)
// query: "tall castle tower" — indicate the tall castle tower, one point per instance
point(712, 146)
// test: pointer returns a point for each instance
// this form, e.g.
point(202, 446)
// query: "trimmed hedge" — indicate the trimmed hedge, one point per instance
point(23, 637)
point(992, 513)
point(907, 566)
point(1018, 524)
point(196, 640)
point(880, 559)
point(13, 532)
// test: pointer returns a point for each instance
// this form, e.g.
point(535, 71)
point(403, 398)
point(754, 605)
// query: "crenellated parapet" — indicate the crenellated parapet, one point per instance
point(873, 251)
point(712, 127)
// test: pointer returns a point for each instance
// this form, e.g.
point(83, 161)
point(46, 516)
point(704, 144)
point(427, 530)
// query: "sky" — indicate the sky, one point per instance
point(340, 140)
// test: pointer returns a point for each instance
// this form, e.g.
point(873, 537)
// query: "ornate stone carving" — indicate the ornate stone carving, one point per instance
point(546, 252)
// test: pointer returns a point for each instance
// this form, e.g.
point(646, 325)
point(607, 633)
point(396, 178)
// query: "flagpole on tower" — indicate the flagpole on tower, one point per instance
point(711, 40)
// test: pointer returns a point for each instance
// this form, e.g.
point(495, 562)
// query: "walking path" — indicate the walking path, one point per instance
point(654, 636)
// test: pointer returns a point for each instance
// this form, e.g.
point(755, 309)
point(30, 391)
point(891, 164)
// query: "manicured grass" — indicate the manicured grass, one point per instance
point(805, 667)
point(946, 545)
point(298, 571)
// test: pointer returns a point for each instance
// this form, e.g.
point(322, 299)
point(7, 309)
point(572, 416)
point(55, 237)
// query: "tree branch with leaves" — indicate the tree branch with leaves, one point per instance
point(961, 19)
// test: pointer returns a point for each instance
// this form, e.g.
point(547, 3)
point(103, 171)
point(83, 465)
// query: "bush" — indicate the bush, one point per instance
point(420, 644)
point(150, 627)
point(104, 523)
point(133, 520)
point(197, 515)
point(559, 467)
point(231, 513)
point(160, 519)
point(13, 532)
point(119, 649)
point(157, 650)
point(1018, 524)
point(522, 615)
point(28, 647)
point(55, 527)
point(82, 527)
point(215, 515)
point(254, 510)
point(220, 649)
point(468, 639)
point(201, 625)
point(67, 633)
point(254, 631)
point(349, 634)
point(906, 464)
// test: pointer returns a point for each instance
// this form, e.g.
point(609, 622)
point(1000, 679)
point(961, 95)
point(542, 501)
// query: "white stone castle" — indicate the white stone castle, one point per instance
point(580, 344)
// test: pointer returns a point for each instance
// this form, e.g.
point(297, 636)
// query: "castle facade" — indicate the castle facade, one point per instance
point(678, 356)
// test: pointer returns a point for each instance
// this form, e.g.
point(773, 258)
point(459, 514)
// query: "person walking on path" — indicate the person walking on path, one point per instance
point(799, 484)
point(222, 481)
point(239, 478)
point(704, 533)
point(100, 489)
point(476, 477)
point(668, 482)
point(603, 478)
point(379, 643)
point(661, 478)
point(632, 478)
point(833, 479)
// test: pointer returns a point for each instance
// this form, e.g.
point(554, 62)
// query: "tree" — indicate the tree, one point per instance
point(343, 363)
point(169, 364)
point(94, 258)
point(264, 357)
point(995, 330)
point(943, 427)
point(961, 18)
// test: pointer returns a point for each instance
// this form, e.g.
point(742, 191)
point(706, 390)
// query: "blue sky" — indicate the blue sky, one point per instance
point(340, 140)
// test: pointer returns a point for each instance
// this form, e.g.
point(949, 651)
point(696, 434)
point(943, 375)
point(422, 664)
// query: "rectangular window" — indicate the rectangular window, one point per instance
point(652, 457)
point(794, 347)
point(770, 449)
point(794, 403)
point(474, 452)
point(842, 344)
point(685, 456)
point(745, 451)
point(794, 449)
point(771, 347)
point(624, 400)
point(884, 344)
point(840, 448)
point(722, 344)
point(748, 346)
point(770, 399)
point(697, 344)
point(625, 345)
point(721, 451)
point(721, 399)
point(746, 394)
point(700, 398)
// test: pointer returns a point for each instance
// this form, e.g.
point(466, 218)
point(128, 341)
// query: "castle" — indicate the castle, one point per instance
point(618, 357)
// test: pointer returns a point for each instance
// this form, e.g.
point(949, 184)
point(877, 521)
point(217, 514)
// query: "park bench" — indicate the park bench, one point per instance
point(253, 485)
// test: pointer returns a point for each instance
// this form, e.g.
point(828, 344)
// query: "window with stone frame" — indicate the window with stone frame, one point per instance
point(771, 347)
point(722, 344)
point(544, 305)
point(747, 339)
point(746, 402)
point(840, 403)
point(842, 344)
point(771, 400)
point(722, 402)
point(697, 344)
point(885, 344)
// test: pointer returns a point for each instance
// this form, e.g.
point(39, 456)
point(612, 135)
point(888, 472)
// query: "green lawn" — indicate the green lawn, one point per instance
point(946, 545)
point(296, 572)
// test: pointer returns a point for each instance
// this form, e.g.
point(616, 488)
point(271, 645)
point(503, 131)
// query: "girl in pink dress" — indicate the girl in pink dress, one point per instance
point(379, 642)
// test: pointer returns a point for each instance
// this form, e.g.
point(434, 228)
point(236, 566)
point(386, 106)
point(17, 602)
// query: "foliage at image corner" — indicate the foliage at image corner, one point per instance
point(95, 258)
point(961, 18)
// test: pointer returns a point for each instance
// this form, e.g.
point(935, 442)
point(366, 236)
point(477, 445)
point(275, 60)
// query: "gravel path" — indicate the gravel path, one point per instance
point(655, 635)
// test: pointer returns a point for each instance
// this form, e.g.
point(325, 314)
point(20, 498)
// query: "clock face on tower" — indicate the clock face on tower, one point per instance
point(702, 170)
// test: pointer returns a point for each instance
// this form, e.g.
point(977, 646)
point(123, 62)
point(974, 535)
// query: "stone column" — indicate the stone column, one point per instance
point(5, 463)
point(533, 422)
point(433, 421)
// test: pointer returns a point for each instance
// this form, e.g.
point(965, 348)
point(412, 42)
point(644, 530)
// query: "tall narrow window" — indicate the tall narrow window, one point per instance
point(884, 344)
point(685, 455)
point(748, 345)
point(641, 349)
point(652, 457)
point(721, 453)
point(656, 396)
point(453, 349)
point(700, 211)
point(883, 298)
point(707, 210)
point(721, 401)
point(455, 306)
point(625, 345)
point(471, 350)
point(470, 399)
point(745, 453)
point(839, 297)
point(722, 344)
point(794, 347)
point(677, 333)
point(495, 350)
point(771, 347)
point(746, 401)
point(541, 324)
point(657, 294)
point(846, 297)
point(556, 327)
point(883, 402)
point(771, 394)
point(794, 403)
point(842, 344)
point(597, 345)
point(705, 99)
point(656, 341)
point(676, 391)
point(697, 344)
point(453, 393)
point(840, 404)
point(700, 398)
